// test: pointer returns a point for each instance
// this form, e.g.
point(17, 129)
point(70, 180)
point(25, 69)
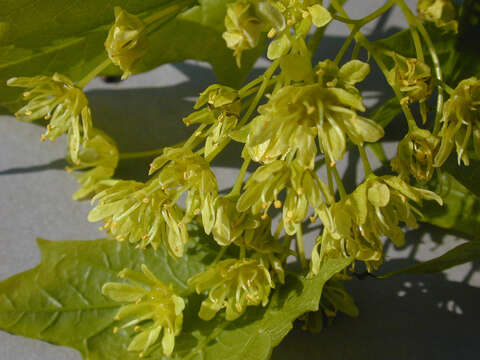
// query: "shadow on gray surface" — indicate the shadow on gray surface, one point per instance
point(402, 318)
point(58, 164)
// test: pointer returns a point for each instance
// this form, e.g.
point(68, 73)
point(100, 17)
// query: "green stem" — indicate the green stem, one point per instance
point(338, 180)
point(300, 246)
point(366, 163)
point(92, 74)
point(169, 10)
point(241, 175)
point(360, 38)
point(140, 154)
point(346, 44)
point(220, 254)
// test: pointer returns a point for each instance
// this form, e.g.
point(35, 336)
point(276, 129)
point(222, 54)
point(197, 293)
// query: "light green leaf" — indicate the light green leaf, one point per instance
point(68, 38)
point(460, 211)
point(60, 301)
point(462, 254)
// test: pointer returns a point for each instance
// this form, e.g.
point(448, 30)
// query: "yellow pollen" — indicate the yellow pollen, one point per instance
point(272, 33)
point(196, 211)
point(289, 214)
point(277, 204)
point(26, 94)
point(305, 14)
point(114, 223)
point(117, 317)
point(47, 117)
point(300, 191)
point(313, 219)
point(264, 205)
point(43, 137)
point(115, 329)
point(198, 133)
point(137, 328)
point(138, 301)
point(264, 216)
point(120, 238)
point(28, 113)
point(140, 355)
point(333, 163)
point(290, 22)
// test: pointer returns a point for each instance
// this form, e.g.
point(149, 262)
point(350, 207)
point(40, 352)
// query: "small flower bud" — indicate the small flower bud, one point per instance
point(127, 41)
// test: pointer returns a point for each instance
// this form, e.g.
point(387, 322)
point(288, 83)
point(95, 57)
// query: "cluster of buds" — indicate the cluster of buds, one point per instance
point(152, 309)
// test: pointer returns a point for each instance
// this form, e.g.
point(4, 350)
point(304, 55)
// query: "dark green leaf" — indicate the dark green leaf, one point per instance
point(57, 36)
point(462, 254)
point(461, 209)
point(468, 176)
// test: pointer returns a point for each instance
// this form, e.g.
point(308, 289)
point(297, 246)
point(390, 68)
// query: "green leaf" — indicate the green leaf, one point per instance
point(460, 211)
point(52, 36)
point(462, 254)
point(60, 301)
point(468, 176)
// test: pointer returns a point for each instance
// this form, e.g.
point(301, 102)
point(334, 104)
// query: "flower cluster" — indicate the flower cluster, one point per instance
point(141, 213)
point(153, 307)
point(246, 20)
point(461, 122)
point(233, 284)
point(354, 225)
point(57, 100)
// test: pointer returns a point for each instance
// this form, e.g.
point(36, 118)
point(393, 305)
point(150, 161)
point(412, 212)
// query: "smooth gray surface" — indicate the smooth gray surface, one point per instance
point(423, 317)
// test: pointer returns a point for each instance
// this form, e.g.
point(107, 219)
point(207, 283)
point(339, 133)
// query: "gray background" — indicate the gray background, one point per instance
point(422, 317)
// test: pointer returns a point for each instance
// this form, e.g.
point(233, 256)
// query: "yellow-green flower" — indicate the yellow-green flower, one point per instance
point(223, 107)
point(440, 12)
point(56, 99)
point(295, 115)
point(303, 189)
point(461, 122)
point(412, 77)
point(345, 77)
point(233, 284)
point(415, 155)
point(98, 156)
point(183, 171)
point(141, 213)
point(230, 224)
point(127, 41)
point(353, 227)
point(153, 307)
point(243, 28)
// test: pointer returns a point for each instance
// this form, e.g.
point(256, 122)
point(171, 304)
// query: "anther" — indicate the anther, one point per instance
point(137, 328)
point(272, 33)
point(28, 113)
point(115, 329)
point(277, 204)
